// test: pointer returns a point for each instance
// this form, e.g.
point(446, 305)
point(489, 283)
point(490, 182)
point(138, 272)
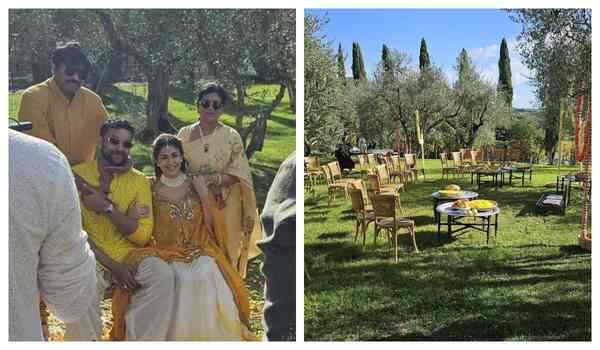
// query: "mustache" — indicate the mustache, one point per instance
point(74, 82)
point(118, 152)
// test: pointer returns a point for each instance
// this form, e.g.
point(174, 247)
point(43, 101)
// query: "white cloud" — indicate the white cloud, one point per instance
point(486, 58)
point(485, 52)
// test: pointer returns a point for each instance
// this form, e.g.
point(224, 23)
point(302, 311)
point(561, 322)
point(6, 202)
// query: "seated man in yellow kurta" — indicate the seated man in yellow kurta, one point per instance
point(62, 111)
point(112, 196)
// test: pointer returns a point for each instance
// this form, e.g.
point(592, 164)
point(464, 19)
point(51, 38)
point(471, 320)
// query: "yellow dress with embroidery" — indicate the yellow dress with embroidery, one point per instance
point(211, 298)
point(223, 151)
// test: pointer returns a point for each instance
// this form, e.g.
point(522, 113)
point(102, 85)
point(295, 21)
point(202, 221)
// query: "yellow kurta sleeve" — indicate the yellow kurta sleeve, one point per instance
point(145, 225)
point(34, 109)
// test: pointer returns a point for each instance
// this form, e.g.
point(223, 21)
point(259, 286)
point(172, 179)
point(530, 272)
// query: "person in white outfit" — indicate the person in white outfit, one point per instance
point(48, 250)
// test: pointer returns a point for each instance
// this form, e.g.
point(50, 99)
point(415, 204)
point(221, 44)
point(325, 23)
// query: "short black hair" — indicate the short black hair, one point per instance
point(117, 124)
point(70, 54)
point(162, 141)
point(213, 88)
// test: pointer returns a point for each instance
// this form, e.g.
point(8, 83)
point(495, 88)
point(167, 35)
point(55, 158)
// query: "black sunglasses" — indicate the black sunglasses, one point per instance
point(215, 104)
point(115, 142)
point(81, 72)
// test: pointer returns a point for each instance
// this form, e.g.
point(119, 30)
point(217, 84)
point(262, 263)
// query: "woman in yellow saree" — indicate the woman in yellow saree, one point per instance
point(190, 233)
point(215, 151)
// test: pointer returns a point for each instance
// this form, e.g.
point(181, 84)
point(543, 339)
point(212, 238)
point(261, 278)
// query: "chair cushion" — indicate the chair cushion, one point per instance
point(400, 222)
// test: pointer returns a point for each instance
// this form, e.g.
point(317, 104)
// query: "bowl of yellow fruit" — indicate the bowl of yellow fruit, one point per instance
point(483, 204)
point(451, 191)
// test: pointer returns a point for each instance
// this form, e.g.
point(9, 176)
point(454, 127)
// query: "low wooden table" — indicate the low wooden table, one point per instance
point(456, 217)
point(438, 199)
point(519, 169)
point(497, 176)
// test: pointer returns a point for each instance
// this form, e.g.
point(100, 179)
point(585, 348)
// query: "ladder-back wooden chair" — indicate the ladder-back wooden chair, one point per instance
point(411, 163)
point(446, 168)
point(313, 169)
point(364, 215)
point(461, 168)
point(386, 219)
point(332, 185)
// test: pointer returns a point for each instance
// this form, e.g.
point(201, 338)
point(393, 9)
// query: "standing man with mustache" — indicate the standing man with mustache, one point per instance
point(62, 111)
point(65, 113)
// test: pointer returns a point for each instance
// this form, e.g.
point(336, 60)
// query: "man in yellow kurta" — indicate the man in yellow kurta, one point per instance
point(112, 193)
point(62, 111)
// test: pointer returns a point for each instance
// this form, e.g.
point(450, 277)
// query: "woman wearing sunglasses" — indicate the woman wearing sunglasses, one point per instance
point(215, 152)
point(211, 301)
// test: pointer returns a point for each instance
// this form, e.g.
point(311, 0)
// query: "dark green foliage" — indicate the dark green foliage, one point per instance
point(424, 61)
point(340, 62)
point(386, 58)
point(358, 65)
point(505, 75)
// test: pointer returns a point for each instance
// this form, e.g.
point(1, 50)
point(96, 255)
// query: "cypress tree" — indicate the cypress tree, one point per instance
point(358, 65)
point(424, 62)
point(340, 62)
point(387, 59)
point(464, 66)
point(504, 73)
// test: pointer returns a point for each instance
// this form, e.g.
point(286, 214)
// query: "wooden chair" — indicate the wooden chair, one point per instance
point(376, 187)
point(336, 172)
point(333, 186)
point(411, 163)
point(364, 163)
point(359, 185)
point(476, 157)
point(372, 160)
point(406, 173)
point(385, 181)
point(461, 167)
point(364, 215)
point(384, 209)
point(392, 171)
point(465, 155)
point(312, 169)
point(447, 169)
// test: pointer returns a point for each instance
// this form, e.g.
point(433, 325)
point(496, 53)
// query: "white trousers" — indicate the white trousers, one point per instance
point(150, 307)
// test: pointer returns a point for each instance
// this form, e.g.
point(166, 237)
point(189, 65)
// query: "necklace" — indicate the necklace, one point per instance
point(173, 182)
point(206, 145)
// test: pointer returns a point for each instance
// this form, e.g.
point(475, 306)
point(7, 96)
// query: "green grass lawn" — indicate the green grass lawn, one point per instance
point(532, 282)
point(128, 101)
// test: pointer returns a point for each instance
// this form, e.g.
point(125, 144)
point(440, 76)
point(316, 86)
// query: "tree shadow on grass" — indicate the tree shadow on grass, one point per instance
point(288, 123)
point(461, 300)
point(333, 235)
point(262, 177)
point(311, 219)
point(574, 251)
point(334, 251)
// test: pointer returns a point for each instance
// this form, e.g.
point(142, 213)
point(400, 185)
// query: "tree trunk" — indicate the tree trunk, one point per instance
point(110, 73)
point(40, 67)
point(157, 107)
point(241, 106)
point(258, 128)
point(291, 87)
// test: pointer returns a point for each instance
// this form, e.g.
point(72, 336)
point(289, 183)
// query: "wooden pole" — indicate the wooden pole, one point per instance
point(560, 128)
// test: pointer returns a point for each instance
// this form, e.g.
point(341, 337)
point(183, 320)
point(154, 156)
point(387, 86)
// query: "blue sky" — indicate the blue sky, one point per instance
point(446, 31)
